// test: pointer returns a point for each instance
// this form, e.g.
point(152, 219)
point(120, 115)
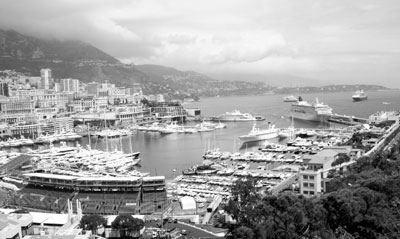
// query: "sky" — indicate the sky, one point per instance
point(334, 41)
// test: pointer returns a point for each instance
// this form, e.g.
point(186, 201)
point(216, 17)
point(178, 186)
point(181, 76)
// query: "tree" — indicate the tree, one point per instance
point(341, 159)
point(92, 222)
point(127, 225)
point(242, 205)
point(243, 232)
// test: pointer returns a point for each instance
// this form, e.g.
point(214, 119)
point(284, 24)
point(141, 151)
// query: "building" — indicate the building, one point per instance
point(165, 112)
point(58, 125)
point(318, 165)
point(16, 111)
point(52, 99)
point(15, 225)
point(160, 98)
point(4, 89)
point(81, 104)
point(129, 113)
point(117, 96)
point(45, 79)
point(193, 112)
point(69, 85)
point(383, 116)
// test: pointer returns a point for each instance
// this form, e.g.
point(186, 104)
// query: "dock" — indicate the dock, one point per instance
point(346, 120)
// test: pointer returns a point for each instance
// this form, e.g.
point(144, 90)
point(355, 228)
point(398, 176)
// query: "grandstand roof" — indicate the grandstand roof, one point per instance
point(108, 178)
point(50, 175)
point(150, 178)
point(49, 218)
point(68, 177)
point(188, 203)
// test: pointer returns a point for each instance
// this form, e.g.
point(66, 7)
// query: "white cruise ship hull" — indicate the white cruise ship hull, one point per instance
point(237, 119)
point(307, 113)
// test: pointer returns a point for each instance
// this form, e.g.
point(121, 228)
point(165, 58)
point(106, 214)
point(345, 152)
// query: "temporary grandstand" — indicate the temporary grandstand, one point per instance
point(98, 195)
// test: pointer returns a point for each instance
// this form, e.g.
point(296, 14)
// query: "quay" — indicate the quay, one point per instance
point(346, 120)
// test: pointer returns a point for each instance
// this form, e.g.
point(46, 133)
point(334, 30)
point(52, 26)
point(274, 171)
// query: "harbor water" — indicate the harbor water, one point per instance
point(169, 154)
point(164, 154)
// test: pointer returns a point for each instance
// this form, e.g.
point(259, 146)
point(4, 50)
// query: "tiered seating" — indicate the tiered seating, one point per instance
point(153, 201)
point(107, 203)
point(49, 199)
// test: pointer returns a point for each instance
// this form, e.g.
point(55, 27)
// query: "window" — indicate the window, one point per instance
point(311, 192)
point(305, 192)
point(305, 176)
point(312, 177)
point(311, 185)
point(305, 185)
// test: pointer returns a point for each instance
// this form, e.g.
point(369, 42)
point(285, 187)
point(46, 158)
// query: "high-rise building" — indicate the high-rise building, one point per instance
point(69, 85)
point(45, 78)
point(4, 90)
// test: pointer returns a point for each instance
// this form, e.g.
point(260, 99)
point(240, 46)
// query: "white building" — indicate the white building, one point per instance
point(45, 78)
point(69, 85)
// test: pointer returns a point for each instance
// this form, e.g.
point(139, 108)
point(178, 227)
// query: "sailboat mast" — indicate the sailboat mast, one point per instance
point(120, 141)
point(130, 142)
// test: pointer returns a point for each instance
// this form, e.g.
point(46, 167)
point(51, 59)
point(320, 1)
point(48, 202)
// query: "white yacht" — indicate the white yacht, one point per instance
point(257, 134)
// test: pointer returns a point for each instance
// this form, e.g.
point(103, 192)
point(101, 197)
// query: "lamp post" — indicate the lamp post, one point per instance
point(174, 171)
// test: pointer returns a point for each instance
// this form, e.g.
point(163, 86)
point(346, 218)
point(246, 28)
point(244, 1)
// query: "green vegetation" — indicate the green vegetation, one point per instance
point(92, 222)
point(127, 225)
point(363, 202)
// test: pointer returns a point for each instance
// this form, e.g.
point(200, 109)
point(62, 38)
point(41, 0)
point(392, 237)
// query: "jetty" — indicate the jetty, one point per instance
point(346, 120)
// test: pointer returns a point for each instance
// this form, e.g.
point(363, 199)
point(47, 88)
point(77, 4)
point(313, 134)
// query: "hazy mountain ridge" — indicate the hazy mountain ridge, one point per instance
point(16, 45)
point(328, 88)
point(161, 73)
point(76, 59)
point(275, 80)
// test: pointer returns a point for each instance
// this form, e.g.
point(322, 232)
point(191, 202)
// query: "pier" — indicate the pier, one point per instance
point(346, 120)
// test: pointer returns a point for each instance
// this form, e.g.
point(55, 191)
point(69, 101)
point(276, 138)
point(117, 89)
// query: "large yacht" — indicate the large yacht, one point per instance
point(316, 111)
point(290, 98)
point(359, 95)
point(257, 134)
point(236, 115)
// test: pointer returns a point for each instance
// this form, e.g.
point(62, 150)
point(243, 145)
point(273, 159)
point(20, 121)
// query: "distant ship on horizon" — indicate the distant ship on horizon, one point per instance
point(359, 95)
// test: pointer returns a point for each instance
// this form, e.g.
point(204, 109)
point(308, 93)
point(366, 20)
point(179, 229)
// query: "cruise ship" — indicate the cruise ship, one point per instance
point(236, 115)
point(316, 111)
point(359, 95)
point(257, 134)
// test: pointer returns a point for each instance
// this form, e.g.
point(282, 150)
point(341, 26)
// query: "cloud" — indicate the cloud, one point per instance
point(293, 37)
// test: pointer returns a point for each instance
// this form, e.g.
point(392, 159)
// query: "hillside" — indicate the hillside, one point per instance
point(275, 80)
point(18, 46)
point(193, 83)
point(76, 59)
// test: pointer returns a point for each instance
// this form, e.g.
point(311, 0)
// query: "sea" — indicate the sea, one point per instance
point(169, 154)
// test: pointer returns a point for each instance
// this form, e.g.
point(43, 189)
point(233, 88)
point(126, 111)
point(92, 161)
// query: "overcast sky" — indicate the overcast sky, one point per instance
point(354, 41)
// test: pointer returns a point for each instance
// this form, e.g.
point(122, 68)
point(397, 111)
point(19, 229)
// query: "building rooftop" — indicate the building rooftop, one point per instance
point(323, 156)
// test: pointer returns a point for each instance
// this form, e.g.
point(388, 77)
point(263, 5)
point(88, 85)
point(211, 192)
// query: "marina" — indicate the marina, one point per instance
point(199, 119)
